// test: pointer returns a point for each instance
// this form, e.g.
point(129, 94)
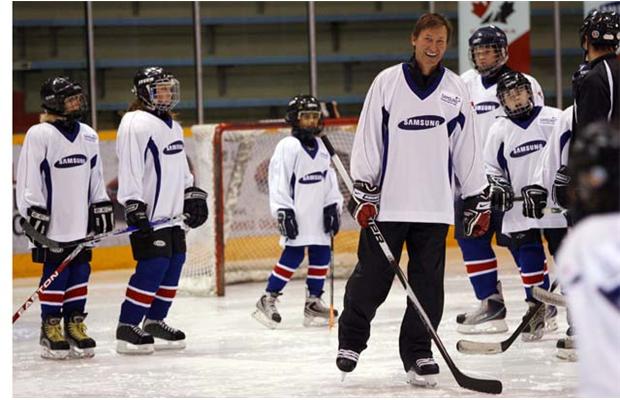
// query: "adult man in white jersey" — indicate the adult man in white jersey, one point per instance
point(414, 131)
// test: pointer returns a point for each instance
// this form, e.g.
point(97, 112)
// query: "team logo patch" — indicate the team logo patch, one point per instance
point(450, 98)
point(90, 138)
point(313, 177)
point(527, 148)
point(159, 243)
point(421, 122)
point(174, 147)
point(486, 107)
point(74, 160)
point(549, 121)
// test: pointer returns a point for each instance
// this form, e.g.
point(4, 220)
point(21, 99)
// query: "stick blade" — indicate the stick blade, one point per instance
point(491, 386)
point(471, 347)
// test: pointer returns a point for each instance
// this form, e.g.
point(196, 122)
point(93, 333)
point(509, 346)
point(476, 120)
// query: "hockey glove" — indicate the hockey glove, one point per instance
point(39, 218)
point(476, 215)
point(287, 223)
point(195, 207)
point(331, 219)
point(501, 193)
point(364, 203)
point(534, 201)
point(101, 217)
point(135, 215)
point(560, 190)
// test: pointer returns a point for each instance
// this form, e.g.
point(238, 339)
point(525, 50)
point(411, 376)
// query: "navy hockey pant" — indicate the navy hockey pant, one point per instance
point(291, 258)
point(68, 291)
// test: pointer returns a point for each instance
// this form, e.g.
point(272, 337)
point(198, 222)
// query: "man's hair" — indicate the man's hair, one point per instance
point(432, 20)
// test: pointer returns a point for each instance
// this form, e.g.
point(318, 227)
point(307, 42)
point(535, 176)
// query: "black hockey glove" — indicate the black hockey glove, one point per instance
point(135, 215)
point(476, 215)
point(39, 218)
point(501, 193)
point(287, 223)
point(101, 217)
point(364, 203)
point(331, 219)
point(195, 207)
point(560, 189)
point(534, 201)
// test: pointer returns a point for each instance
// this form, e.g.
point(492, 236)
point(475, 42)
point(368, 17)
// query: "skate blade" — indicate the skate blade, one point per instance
point(260, 317)
point(495, 326)
point(77, 353)
point(162, 344)
point(49, 354)
point(343, 375)
point(429, 381)
point(123, 347)
point(567, 355)
point(316, 321)
point(551, 325)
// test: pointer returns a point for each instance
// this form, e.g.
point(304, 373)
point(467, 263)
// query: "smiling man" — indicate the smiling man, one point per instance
point(414, 132)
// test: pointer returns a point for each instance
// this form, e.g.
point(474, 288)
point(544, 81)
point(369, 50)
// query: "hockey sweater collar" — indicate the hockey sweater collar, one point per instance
point(524, 123)
point(69, 129)
point(422, 85)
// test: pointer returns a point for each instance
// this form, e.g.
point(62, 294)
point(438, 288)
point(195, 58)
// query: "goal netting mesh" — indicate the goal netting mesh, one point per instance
point(239, 243)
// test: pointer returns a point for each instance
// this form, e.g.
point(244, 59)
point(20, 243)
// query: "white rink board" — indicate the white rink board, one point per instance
point(229, 354)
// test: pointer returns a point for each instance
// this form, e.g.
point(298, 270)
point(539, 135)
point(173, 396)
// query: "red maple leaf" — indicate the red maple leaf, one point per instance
point(480, 7)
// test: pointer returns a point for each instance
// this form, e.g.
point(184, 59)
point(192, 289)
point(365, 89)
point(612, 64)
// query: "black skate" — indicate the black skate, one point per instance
point(133, 340)
point(52, 341)
point(82, 345)
point(346, 361)
point(490, 317)
point(168, 338)
point(535, 329)
point(423, 373)
point(566, 349)
point(316, 313)
point(266, 312)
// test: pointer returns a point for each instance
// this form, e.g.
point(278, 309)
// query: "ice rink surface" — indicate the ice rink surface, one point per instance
point(229, 354)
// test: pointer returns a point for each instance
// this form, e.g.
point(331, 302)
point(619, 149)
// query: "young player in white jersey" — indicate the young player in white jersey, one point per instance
point(588, 262)
point(415, 132)
point(512, 152)
point(154, 182)
point(304, 197)
point(61, 192)
point(488, 50)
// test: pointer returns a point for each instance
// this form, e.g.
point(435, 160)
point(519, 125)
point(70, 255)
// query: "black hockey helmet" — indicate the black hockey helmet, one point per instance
point(601, 28)
point(493, 38)
point(149, 80)
point(54, 95)
point(509, 86)
point(594, 163)
point(297, 107)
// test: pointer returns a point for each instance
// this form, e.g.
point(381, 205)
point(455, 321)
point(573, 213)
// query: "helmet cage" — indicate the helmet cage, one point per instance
point(162, 94)
point(514, 92)
point(56, 101)
point(500, 52)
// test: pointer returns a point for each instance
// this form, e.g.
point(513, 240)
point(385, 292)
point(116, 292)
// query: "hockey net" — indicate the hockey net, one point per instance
point(239, 242)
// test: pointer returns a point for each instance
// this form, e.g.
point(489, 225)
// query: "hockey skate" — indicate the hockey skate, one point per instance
point(490, 317)
point(52, 341)
point(166, 337)
point(130, 339)
point(316, 313)
point(346, 361)
point(82, 345)
point(551, 322)
point(423, 373)
point(266, 312)
point(566, 349)
point(535, 329)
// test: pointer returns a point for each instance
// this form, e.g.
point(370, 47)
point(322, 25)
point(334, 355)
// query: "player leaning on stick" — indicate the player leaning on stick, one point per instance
point(414, 131)
point(304, 197)
point(154, 182)
point(61, 192)
point(488, 50)
point(512, 153)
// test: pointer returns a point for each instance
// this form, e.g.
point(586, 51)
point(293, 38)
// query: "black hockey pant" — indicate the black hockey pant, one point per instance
point(372, 279)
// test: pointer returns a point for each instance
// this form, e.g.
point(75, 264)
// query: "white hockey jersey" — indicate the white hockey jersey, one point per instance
point(588, 266)
point(303, 181)
point(152, 165)
point(62, 174)
point(514, 150)
point(410, 142)
point(555, 153)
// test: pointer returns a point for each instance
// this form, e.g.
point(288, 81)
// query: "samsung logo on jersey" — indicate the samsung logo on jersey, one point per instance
point(73, 160)
point(527, 148)
point(313, 177)
point(486, 106)
point(421, 122)
point(174, 147)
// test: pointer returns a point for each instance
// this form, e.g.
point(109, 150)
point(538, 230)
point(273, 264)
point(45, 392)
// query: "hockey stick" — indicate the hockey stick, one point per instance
point(472, 347)
point(81, 245)
point(546, 210)
point(479, 385)
point(331, 284)
point(547, 297)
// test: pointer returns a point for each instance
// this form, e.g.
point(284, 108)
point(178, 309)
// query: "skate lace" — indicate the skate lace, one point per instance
point(349, 354)
point(77, 330)
point(136, 329)
point(166, 327)
point(54, 332)
point(270, 303)
point(425, 361)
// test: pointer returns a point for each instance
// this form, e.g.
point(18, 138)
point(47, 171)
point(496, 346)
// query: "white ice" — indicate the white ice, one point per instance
point(229, 354)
